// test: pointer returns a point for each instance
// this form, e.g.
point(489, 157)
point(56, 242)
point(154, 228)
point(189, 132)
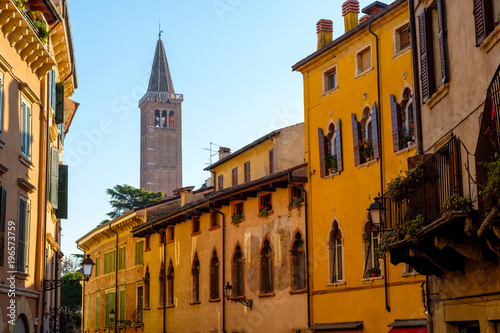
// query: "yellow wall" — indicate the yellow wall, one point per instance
point(345, 197)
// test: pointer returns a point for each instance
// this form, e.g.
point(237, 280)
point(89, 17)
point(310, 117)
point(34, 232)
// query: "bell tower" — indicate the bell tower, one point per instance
point(161, 129)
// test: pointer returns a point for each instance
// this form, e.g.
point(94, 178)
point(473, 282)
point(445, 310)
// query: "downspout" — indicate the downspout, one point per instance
point(82, 323)
point(306, 218)
point(379, 126)
point(416, 83)
point(430, 326)
point(223, 267)
point(156, 231)
point(116, 278)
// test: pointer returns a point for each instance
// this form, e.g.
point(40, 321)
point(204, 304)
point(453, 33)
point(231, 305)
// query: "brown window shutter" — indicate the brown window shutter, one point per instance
point(322, 152)
point(338, 148)
point(426, 54)
point(375, 137)
point(443, 52)
point(396, 123)
point(356, 136)
point(483, 19)
point(3, 210)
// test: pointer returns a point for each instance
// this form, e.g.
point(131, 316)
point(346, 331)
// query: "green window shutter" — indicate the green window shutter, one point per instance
point(122, 305)
point(1, 102)
point(112, 261)
point(53, 91)
point(110, 304)
point(121, 258)
point(54, 177)
point(98, 311)
point(139, 251)
point(3, 209)
point(59, 109)
point(62, 193)
point(97, 266)
point(87, 306)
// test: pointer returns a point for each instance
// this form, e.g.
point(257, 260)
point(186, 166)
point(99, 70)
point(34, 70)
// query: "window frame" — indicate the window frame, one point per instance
point(297, 256)
point(238, 273)
point(220, 182)
point(139, 252)
point(195, 225)
point(358, 60)
point(214, 220)
point(214, 291)
point(234, 176)
point(247, 170)
point(271, 161)
point(396, 35)
point(170, 234)
point(170, 284)
point(121, 258)
point(195, 279)
point(336, 263)
point(266, 269)
point(327, 72)
point(23, 266)
point(26, 118)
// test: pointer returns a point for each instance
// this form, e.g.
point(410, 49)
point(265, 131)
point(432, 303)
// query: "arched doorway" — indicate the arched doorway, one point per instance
point(20, 326)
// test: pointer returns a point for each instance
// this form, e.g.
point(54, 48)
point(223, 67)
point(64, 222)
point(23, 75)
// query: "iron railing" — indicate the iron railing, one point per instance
point(489, 135)
point(429, 185)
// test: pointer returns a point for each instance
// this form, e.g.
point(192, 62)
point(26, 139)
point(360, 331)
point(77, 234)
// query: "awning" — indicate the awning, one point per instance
point(409, 330)
point(337, 326)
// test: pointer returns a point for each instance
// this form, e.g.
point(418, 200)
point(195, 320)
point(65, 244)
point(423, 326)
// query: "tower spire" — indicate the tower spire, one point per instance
point(160, 80)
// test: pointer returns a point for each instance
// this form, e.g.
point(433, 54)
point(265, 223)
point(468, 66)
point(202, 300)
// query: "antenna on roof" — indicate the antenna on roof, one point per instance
point(212, 151)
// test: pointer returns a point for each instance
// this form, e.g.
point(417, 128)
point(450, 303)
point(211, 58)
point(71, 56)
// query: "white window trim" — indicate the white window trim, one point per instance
point(29, 105)
point(324, 79)
point(359, 50)
point(397, 52)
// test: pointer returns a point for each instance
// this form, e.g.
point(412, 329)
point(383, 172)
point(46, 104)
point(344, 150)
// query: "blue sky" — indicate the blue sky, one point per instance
point(230, 58)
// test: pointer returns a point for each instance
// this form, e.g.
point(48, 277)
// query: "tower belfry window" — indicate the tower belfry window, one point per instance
point(164, 118)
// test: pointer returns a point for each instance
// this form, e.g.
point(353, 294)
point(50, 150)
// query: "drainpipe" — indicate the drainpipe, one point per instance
point(430, 326)
point(116, 279)
point(306, 218)
point(379, 126)
point(223, 267)
point(82, 323)
point(156, 231)
point(416, 83)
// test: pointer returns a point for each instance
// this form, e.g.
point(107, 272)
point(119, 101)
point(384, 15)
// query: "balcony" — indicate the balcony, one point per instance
point(27, 33)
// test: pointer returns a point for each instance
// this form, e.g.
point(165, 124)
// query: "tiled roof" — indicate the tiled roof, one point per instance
point(160, 79)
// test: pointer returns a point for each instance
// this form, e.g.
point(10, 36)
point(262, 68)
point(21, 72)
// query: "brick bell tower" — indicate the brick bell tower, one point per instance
point(161, 129)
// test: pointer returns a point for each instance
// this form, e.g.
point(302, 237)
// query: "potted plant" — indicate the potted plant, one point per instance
point(374, 272)
point(264, 210)
point(296, 201)
point(456, 202)
point(411, 228)
point(367, 150)
point(331, 163)
point(236, 219)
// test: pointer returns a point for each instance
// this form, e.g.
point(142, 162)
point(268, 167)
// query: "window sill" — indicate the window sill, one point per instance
point(3, 169)
point(147, 250)
point(21, 275)
point(491, 40)
point(336, 284)
point(170, 241)
point(267, 295)
point(146, 309)
point(357, 76)
point(235, 298)
point(196, 233)
point(296, 206)
point(332, 175)
point(170, 306)
point(331, 91)
point(2, 143)
point(371, 279)
point(214, 300)
point(405, 275)
point(26, 161)
point(194, 303)
point(238, 224)
point(271, 212)
point(438, 95)
point(366, 164)
point(215, 227)
point(407, 149)
point(399, 53)
point(298, 291)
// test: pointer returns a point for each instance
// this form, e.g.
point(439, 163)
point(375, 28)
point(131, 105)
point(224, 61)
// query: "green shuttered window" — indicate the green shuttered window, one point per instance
point(139, 252)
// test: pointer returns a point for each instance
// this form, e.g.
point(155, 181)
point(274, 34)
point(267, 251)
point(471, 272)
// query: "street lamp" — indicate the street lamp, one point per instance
point(376, 210)
point(112, 316)
point(228, 292)
point(87, 265)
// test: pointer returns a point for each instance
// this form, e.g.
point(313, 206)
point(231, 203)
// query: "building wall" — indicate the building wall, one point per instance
point(344, 197)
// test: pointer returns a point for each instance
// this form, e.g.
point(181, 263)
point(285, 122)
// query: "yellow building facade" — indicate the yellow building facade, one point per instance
point(249, 232)
point(359, 133)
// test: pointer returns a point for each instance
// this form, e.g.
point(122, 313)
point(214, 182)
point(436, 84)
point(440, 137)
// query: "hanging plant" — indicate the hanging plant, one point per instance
point(411, 228)
point(236, 219)
point(456, 202)
point(41, 28)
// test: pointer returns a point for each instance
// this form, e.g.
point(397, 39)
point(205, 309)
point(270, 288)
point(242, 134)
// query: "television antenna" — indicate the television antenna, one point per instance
point(212, 153)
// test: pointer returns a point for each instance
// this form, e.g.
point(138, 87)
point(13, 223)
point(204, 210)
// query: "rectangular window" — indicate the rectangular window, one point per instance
point(121, 258)
point(271, 161)
point(330, 79)
point(247, 171)
point(238, 208)
point(147, 242)
point(123, 306)
point(161, 237)
point(234, 173)
point(265, 201)
point(97, 266)
point(3, 209)
point(364, 60)
point(296, 197)
point(214, 219)
point(196, 224)
point(170, 234)
point(401, 38)
point(25, 128)
point(221, 182)
point(97, 311)
point(109, 262)
point(110, 304)
point(140, 304)
point(139, 252)
point(22, 235)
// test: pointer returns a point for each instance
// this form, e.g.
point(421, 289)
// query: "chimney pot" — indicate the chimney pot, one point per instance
point(350, 11)
point(186, 195)
point(324, 30)
point(223, 152)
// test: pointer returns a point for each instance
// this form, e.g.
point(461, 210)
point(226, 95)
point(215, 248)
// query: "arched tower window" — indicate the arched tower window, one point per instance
point(170, 284)
point(157, 118)
point(238, 273)
point(298, 263)
point(164, 118)
point(266, 268)
point(214, 276)
point(336, 254)
point(195, 272)
point(171, 119)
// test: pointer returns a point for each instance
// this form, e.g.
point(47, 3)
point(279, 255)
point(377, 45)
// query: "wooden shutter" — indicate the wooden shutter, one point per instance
point(338, 148)
point(97, 266)
point(375, 131)
point(396, 123)
point(235, 176)
point(59, 104)
point(3, 210)
point(322, 145)
point(22, 235)
point(1, 102)
point(356, 136)
point(24, 129)
point(53, 90)
point(123, 305)
point(62, 190)
point(221, 182)
point(271, 161)
point(426, 54)
point(247, 171)
point(483, 19)
point(54, 177)
point(97, 311)
point(442, 40)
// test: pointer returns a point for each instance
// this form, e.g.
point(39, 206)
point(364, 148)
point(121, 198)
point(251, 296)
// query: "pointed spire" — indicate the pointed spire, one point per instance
point(160, 79)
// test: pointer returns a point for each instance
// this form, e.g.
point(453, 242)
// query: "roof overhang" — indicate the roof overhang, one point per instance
point(337, 326)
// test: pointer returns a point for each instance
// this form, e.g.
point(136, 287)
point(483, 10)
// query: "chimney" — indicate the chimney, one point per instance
point(223, 152)
point(374, 8)
point(363, 18)
point(324, 29)
point(186, 195)
point(350, 11)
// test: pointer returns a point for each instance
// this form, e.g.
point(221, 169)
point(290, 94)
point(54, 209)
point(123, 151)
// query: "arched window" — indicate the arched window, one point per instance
point(195, 271)
point(161, 278)
point(366, 124)
point(170, 284)
point(370, 244)
point(298, 263)
point(336, 254)
point(146, 288)
point(171, 122)
point(157, 118)
point(238, 273)
point(407, 118)
point(332, 146)
point(164, 118)
point(214, 276)
point(266, 268)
